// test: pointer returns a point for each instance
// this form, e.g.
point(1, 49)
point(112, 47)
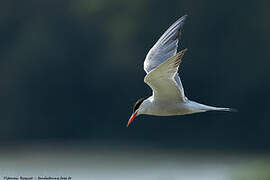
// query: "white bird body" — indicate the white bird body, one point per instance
point(152, 107)
point(161, 65)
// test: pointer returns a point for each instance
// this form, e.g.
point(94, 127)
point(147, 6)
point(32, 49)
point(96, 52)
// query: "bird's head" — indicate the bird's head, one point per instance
point(138, 109)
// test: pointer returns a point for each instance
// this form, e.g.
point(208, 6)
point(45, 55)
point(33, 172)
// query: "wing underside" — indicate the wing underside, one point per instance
point(164, 80)
point(165, 47)
point(162, 60)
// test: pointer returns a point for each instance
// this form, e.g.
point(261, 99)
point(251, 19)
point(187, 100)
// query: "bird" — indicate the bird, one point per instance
point(161, 66)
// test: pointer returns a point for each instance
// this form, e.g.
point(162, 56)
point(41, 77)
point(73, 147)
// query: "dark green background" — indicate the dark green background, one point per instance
point(72, 70)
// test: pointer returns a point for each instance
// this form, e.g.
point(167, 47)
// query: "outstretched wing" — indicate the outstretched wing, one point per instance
point(165, 47)
point(162, 80)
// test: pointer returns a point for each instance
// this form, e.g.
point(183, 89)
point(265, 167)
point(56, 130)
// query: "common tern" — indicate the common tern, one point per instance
point(161, 66)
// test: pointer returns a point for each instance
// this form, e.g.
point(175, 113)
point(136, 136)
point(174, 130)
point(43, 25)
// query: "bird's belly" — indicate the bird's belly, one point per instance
point(169, 109)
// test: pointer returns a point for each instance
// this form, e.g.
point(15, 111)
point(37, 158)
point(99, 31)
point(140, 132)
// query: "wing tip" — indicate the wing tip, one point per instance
point(183, 18)
point(233, 110)
point(184, 50)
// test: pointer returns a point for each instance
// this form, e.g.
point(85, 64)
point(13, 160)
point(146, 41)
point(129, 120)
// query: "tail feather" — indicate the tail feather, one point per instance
point(224, 109)
point(202, 108)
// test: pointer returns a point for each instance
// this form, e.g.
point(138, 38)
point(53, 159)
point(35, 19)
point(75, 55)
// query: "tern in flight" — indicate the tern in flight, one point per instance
point(161, 65)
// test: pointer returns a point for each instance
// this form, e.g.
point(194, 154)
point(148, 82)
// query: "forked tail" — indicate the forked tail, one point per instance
point(202, 108)
point(223, 109)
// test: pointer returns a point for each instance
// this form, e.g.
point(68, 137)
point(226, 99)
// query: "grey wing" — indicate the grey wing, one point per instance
point(180, 86)
point(165, 47)
point(164, 81)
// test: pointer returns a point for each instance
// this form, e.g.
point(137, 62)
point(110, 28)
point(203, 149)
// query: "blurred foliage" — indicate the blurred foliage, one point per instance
point(73, 69)
point(254, 171)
